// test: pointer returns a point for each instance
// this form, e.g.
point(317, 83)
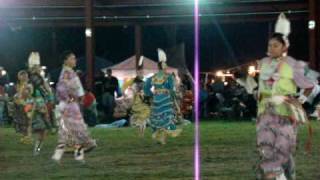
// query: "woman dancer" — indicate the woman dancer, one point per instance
point(72, 130)
point(163, 113)
point(41, 96)
point(279, 112)
point(140, 110)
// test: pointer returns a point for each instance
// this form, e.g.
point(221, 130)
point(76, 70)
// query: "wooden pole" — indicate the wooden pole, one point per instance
point(318, 35)
point(54, 43)
point(89, 33)
point(138, 42)
point(171, 32)
point(312, 34)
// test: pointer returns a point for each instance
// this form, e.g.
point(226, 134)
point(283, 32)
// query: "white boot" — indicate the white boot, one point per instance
point(58, 153)
point(281, 177)
point(37, 148)
point(79, 155)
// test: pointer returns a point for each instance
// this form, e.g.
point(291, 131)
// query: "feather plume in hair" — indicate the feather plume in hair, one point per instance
point(283, 25)
point(141, 61)
point(34, 59)
point(162, 55)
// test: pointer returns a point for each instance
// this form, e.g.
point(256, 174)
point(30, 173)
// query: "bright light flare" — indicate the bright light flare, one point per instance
point(219, 73)
point(196, 91)
point(3, 72)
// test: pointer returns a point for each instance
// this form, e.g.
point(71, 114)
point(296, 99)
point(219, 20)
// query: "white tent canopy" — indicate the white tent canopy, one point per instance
point(127, 68)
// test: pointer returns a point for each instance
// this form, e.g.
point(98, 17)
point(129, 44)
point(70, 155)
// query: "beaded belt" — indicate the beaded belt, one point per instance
point(161, 91)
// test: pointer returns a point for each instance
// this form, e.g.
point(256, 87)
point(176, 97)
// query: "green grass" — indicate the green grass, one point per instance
point(120, 155)
point(227, 153)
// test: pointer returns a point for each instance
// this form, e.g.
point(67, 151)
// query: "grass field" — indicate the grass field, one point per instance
point(227, 153)
point(120, 155)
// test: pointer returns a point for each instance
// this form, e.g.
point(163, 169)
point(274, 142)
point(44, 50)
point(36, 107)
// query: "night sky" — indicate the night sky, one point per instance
point(222, 45)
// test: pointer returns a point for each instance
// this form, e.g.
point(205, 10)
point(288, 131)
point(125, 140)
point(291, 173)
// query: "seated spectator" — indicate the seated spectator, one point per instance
point(90, 108)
